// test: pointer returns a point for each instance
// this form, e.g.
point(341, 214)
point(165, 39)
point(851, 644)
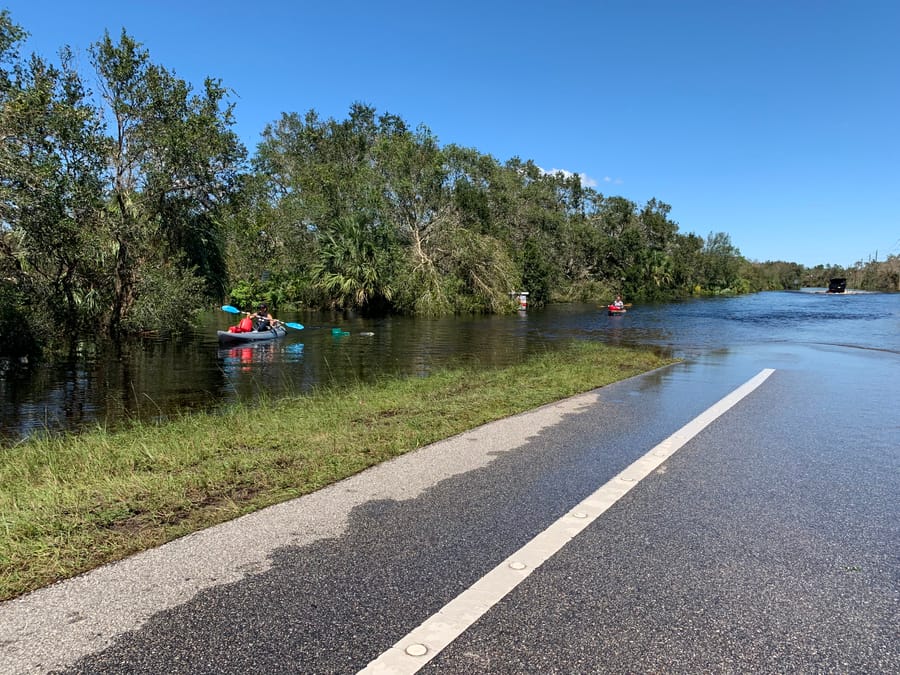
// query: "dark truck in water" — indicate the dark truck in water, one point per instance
point(837, 286)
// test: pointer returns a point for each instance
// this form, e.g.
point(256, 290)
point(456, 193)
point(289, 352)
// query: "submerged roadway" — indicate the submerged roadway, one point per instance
point(735, 513)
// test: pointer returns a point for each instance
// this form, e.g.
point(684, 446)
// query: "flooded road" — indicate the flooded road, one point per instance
point(151, 379)
point(767, 542)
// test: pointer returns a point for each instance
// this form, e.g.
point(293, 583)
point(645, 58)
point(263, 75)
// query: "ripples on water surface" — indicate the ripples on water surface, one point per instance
point(156, 378)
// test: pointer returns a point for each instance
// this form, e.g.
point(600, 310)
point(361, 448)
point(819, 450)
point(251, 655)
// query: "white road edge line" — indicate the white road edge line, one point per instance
point(422, 644)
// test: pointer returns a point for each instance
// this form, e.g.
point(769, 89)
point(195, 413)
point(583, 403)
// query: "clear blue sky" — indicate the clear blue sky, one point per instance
point(776, 121)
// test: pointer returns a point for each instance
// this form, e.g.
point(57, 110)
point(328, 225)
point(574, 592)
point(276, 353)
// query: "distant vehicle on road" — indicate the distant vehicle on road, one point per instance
point(837, 285)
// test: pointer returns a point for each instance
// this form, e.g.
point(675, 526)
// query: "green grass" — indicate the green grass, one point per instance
point(71, 503)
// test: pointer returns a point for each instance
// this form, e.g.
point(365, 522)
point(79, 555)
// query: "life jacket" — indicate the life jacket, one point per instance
point(245, 325)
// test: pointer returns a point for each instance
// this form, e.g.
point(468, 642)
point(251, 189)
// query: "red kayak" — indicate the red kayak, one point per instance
point(612, 310)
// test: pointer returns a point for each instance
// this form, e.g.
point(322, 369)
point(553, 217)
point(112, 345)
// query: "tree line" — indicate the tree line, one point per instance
point(132, 207)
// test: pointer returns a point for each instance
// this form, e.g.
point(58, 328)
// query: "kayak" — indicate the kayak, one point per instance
point(252, 336)
point(614, 311)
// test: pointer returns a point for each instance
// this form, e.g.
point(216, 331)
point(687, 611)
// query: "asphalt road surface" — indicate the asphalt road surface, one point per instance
point(643, 527)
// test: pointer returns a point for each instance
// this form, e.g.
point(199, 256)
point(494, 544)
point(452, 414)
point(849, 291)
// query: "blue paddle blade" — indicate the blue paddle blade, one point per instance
point(230, 309)
point(295, 326)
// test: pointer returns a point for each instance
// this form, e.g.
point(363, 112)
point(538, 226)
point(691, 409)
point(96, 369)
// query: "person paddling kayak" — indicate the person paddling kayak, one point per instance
point(262, 319)
point(617, 306)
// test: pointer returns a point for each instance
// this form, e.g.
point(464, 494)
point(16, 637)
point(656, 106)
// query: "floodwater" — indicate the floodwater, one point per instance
point(104, 384)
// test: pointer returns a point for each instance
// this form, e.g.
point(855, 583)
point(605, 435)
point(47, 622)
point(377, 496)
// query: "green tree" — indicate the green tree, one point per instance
point(416, 205)
point(311, 175)
point(353, 267)
point(720, 261)
point(174, 164)
point(653, 221)
point(51, 165)
point(687, 251)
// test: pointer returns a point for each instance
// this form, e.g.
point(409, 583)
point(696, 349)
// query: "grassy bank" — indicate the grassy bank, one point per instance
point(72, 503)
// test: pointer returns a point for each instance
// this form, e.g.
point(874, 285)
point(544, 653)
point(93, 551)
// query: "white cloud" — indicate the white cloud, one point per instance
point(586, 181)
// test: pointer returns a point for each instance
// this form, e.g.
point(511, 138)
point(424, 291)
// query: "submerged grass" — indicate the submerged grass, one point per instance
point(71, 503)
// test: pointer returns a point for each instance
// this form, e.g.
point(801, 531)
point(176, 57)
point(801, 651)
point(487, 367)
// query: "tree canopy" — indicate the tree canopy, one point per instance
point(129, 208)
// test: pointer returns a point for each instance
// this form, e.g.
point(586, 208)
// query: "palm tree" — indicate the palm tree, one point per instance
point(351, 268)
